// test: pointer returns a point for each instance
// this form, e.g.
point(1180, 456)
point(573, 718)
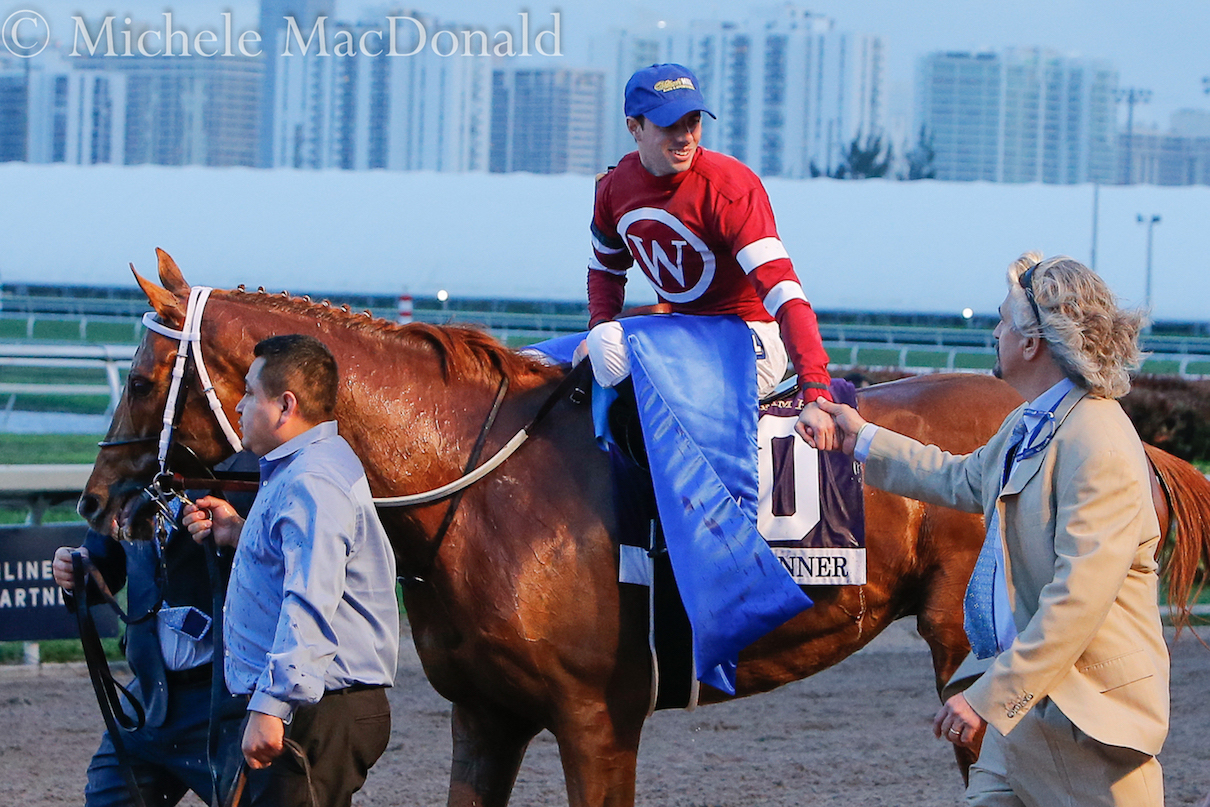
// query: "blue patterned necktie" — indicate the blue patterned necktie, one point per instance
point(979, 616)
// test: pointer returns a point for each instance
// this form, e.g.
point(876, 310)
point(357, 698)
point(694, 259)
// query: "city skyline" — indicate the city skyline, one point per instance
point(1161, 52)
point(793, 91)
point(948, 227)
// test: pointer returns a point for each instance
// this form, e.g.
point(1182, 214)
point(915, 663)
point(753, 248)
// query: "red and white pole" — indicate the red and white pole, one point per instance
point(405, 309)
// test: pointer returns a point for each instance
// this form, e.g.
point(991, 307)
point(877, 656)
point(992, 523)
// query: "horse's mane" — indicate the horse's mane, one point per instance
point(464, 352)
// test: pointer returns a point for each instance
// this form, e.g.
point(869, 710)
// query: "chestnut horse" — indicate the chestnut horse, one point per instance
point(519, 619)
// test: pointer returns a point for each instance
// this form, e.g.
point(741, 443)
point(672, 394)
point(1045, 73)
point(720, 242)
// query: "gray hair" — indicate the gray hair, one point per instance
point(1092, 339)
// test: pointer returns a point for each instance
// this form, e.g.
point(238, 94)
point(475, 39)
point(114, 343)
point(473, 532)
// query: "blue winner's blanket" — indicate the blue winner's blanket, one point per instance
point(691, 374)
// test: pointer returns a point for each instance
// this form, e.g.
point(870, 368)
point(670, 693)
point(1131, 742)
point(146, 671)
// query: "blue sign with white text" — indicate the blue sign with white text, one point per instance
point(31, 604)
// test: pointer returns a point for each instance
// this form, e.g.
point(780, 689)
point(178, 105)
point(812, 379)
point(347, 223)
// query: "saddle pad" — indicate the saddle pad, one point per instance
point(810, 505)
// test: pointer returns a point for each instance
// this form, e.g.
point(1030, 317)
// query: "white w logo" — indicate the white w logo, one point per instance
point(659, 258)
point(656, 258)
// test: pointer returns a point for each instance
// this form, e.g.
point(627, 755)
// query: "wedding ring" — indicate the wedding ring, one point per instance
point(956, 732)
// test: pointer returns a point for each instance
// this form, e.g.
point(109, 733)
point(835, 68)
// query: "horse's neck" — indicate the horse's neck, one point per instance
point(411, 425)
point(408, 422)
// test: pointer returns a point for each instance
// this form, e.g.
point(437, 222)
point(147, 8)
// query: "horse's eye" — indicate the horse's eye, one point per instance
point(140, 387)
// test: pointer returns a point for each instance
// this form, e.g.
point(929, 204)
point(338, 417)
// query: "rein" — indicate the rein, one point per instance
point(456, 498)
point(571, 386)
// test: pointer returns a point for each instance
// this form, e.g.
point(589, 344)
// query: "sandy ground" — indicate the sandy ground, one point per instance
point(857, 734)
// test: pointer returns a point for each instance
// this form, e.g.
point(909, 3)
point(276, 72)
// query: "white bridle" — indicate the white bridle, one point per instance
point(189, 339)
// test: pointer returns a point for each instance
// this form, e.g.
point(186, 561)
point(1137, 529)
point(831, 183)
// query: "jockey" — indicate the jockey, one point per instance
point(702, 229)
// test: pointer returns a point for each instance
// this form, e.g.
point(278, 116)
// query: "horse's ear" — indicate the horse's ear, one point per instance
point(166, 304)
point(170, 274)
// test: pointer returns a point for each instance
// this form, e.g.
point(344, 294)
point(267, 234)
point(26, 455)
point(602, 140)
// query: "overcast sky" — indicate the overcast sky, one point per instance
point(1160, 46)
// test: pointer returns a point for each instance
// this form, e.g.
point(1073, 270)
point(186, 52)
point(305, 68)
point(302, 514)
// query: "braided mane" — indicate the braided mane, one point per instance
point(463, 352)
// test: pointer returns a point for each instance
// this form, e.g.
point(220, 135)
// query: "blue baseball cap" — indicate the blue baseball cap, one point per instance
point(664, 93)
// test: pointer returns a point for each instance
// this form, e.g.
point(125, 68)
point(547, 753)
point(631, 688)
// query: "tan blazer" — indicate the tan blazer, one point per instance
point(1080, 533)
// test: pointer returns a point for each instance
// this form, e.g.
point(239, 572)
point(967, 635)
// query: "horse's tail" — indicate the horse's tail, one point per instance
point(1185, 551)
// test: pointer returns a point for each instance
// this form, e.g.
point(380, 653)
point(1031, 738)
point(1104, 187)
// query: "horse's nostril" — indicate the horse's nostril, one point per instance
point(88, 506)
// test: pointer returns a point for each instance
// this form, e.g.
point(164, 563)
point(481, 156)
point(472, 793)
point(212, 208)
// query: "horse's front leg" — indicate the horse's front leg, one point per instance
point(599, 748)
point(489, 745)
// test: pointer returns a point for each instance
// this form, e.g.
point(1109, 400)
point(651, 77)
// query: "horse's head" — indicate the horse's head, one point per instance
point(129, 459)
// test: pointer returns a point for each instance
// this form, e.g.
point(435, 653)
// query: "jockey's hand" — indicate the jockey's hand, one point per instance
point(61, 566)
point(959, 723)
point(817, 427)
point(264, 738)
point(848, 424)
point(211, 515)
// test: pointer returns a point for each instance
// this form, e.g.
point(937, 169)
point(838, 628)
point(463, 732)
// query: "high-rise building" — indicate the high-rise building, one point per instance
point(790, 91)
point(273, 30)
point(85, 110)
point(1018, 115)
point(53, 113)
point(547, 120)
point(76, 116)
point(182, 110)
point(426, 112)
point(1191, 123)
point(1180, 156)
point(619, 54)
point(417, 112)
point(14, 110)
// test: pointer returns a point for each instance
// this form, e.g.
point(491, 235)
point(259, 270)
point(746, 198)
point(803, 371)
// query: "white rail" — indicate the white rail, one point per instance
point(111, 359)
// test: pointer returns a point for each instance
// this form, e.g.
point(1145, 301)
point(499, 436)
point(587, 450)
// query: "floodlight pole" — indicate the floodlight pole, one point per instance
point(1131, 96)
point(1150, 222)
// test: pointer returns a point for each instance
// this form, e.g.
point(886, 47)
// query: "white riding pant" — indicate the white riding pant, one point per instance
point(611, 356)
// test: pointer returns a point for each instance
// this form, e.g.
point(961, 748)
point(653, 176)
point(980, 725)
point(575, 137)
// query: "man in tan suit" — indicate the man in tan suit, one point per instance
point(1063, 600)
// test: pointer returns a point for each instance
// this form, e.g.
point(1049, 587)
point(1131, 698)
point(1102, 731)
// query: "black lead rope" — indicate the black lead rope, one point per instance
point(106, 689)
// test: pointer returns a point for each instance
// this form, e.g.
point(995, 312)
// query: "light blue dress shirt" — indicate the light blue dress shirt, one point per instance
point(311, 604)
point(1037, 411)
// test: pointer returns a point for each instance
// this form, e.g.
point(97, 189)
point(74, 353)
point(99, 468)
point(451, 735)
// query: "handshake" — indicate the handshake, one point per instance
point(830, 426)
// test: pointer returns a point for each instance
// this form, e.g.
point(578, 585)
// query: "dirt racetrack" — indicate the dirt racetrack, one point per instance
point(857, 734)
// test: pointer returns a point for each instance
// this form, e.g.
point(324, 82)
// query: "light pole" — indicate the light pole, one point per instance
point(1150, 222)
point(1096, 211)
point(1131, 96)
